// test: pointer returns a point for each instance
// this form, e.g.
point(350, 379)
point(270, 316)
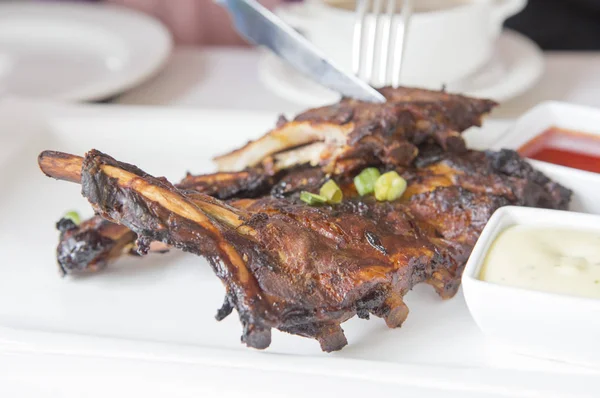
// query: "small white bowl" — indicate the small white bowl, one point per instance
point(535, 323)
point(548, 114)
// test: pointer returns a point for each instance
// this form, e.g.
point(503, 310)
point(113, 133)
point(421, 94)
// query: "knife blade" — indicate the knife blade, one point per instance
point(263, 28)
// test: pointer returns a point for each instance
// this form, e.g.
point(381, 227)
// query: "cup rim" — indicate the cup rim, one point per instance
point(321, 4)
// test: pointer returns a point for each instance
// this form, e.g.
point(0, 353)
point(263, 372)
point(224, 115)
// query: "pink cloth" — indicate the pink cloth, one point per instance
point(193, 22)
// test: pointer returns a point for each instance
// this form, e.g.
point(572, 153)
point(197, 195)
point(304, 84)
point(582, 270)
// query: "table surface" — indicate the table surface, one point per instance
point(229, 78)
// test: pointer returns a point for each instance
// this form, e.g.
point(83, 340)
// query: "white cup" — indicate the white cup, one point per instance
point(443, 45)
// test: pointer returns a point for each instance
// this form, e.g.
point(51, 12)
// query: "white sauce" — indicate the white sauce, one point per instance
point(554, 260)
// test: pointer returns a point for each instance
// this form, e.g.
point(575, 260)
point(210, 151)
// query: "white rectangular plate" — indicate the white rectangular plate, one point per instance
point(161, 308)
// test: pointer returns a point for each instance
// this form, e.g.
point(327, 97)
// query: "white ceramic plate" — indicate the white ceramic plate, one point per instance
point(515, 66)
point(161, 308)
point(77, 52)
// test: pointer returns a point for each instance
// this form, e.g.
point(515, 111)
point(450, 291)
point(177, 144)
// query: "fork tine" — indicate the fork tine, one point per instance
point(387, 54)
point(358, 42)
point(384, 60)
point(372, 42)
point(400, 41)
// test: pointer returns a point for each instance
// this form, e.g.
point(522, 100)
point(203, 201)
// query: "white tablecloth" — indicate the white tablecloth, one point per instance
point(228, 78)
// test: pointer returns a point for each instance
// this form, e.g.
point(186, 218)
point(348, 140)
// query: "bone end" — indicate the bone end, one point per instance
point(397, 314)
point(332, 338)
point(60, 165)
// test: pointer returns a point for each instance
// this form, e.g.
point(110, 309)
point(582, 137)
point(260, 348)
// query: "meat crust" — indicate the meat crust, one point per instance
point(305, 270)
point(353, 133)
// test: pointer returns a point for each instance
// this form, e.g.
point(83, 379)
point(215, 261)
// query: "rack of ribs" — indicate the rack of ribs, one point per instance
point(338, 139)
point(301, 269)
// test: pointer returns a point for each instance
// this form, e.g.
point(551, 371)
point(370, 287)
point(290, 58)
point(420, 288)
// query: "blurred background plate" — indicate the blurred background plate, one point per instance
point(77, 52)
point(515, 66)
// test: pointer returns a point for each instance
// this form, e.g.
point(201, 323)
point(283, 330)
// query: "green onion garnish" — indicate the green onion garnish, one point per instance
point(331, 192)
point(365, 181)
point(390, 186)
point(73, 216)
point(312, 199)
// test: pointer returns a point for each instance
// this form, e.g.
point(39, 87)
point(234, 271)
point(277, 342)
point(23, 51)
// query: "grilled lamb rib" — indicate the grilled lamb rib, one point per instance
point(305, 270)
point(350, 134)
point(338, 138)
point(302, 269)
point(96, 242)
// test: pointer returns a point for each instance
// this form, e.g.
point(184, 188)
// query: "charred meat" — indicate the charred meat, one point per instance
point(97, 242)
point(350, 134)
point(305, 270)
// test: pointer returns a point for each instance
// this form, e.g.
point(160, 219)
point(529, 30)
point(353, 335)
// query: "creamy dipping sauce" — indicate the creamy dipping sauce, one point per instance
point(555, 260)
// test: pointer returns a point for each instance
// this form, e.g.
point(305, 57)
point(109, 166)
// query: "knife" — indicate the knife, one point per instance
point(261, 27)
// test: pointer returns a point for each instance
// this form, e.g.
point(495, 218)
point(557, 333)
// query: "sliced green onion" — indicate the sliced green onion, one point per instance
point(73, 216)
point(312, 199)
point(390, 186)
point(331, 192)
point(365, 181)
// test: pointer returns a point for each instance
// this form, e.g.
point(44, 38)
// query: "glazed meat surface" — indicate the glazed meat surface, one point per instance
point(305, 270)
point(350, 134)
point(338, 139)
point(95, 243)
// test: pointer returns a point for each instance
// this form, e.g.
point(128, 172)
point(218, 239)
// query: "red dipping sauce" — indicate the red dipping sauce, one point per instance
point(566, 148)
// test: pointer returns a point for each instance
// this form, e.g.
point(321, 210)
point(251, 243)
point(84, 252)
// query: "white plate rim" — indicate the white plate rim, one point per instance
point(483, 381)
point(146, 61)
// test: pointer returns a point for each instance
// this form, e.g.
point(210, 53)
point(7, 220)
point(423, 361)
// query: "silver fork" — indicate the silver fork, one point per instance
point(379, 41)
